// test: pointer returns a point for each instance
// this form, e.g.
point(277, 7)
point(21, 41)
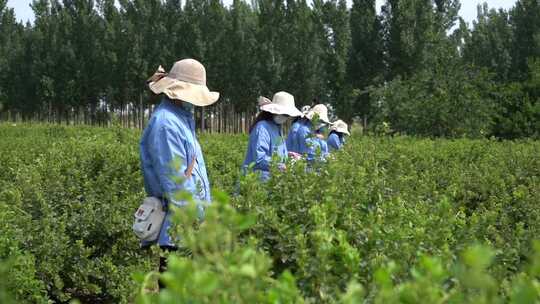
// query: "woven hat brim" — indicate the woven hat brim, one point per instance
point(340, 130)
point(323, 117)
point(281, 110)
point(198, 95)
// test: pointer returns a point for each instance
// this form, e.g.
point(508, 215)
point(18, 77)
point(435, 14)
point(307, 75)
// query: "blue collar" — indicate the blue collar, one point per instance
point(279, 128)
point(306, 122)
point(166, 102)
point(273, 125)
point(178, 110)
point(339, 134)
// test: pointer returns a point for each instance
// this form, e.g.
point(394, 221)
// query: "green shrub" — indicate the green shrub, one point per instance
point(396, 199)
point(223, 268)
point(399, 208)
point(69, 194)
point(447, 100)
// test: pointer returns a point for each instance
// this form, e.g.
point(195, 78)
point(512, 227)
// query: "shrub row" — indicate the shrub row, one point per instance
point(376, 222)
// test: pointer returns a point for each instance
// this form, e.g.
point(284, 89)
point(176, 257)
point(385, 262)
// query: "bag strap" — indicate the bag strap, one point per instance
point(189, 169)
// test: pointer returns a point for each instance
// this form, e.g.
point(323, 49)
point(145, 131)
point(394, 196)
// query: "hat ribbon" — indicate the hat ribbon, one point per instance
point(263, 101)
point(158, 74)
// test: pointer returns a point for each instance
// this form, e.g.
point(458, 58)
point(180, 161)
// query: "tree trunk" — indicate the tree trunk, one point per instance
point(365, 122)
point(122, 114)
point(134, 115)
point(141, 112)
point(202, 120)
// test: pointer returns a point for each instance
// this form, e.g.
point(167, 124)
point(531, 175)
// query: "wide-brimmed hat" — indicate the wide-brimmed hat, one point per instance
point(282, 104)
point(340, 126)
point(321, 110)
point(186, 82)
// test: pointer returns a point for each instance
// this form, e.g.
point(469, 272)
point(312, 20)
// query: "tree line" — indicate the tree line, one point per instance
point(415, 68)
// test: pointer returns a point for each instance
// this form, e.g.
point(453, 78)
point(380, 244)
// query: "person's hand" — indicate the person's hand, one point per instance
point(295, 156)
point(282, 167)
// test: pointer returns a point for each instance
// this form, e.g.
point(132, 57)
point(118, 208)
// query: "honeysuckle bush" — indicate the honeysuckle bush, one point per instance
point(67, 197)
point(467, 281)
point(225, 267)
point(224, 154)
point(396, 199)
point(386, 220)
point(222, 266)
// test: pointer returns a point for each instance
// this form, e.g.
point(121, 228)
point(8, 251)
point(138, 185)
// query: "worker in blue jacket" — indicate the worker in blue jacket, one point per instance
point(265, 135)
point(298, 135)
point(336, 138)
point(318, 147)
point(302, 139)
point(171, 157)
point(293, 144)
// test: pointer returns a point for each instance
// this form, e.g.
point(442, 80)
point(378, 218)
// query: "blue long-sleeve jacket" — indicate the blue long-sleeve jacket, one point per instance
point(297, 140)
point(168, 145)
point(291, 141)
point(335, 142)
point(265, 140)
point(317, 147)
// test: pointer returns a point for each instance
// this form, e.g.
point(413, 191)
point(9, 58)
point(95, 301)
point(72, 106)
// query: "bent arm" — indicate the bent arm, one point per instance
point(262, 150)
point(304, 141)
point(170, 162)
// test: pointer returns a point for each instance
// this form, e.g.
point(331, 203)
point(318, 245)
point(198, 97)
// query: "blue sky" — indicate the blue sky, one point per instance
point(468, 7)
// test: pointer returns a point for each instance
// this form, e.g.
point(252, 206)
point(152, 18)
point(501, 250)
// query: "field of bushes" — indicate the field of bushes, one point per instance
point(387, 220)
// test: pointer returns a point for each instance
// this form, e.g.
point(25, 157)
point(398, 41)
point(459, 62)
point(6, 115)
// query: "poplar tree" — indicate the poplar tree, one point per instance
point(408, 32)
point(365, 67)
point(11, 44)
point(489, 43)
point(244, 82)
point(339, 44)
point(525, 19)
point(301, 53)
point(270, 46)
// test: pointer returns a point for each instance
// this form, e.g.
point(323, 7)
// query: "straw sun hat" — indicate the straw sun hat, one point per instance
point(321, 110)
point(282, 104)
point(341, 127)
point(186, 82)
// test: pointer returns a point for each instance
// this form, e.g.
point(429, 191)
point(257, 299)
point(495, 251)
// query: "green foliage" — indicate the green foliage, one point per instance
point(365, 67)
point(397, 199)
point(468, 281)
point(16, 263)
point(66, 203)
point(223, 268)
point(489, 43)
point(410, 34)
point(518, 111)
point(5, 296)
point(446, 100)
point(93, 57)
point(525, 17)
point(387, 220)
